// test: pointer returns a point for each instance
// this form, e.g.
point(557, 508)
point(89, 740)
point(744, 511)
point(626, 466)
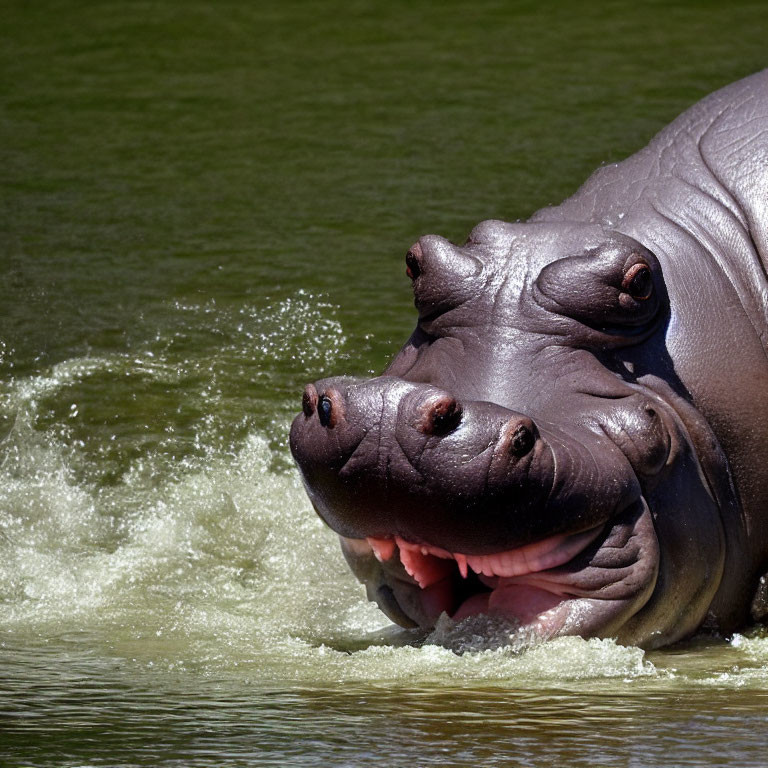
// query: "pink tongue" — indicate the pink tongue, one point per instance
point(437, 599)
point(516, 601)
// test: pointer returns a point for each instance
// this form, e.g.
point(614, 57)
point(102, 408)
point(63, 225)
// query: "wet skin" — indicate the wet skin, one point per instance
point(576, 434)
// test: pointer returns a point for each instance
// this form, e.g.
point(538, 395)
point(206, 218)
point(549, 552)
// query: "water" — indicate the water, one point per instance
point(203, 206)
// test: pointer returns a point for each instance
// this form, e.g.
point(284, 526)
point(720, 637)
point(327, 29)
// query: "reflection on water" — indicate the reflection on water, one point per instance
point(204, 206)
point(67, 705)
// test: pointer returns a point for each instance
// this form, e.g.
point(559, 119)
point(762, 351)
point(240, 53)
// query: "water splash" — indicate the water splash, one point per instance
point(173, 536)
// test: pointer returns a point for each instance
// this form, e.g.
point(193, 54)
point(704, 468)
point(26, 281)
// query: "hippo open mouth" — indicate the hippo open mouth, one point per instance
point(517, 583)
point(597, 576)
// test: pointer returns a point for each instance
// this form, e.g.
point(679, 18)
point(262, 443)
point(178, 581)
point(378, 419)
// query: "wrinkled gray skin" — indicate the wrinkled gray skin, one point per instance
point(544, 392)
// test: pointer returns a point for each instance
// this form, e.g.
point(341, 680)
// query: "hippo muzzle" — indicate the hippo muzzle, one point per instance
point(469, 508)
point(517, 458)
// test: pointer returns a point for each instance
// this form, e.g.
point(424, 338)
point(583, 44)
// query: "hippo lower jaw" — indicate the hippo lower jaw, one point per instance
point(587, 582)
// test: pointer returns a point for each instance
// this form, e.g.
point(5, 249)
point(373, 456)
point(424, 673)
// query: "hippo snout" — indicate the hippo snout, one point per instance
point(407, 467)
point(386, 457)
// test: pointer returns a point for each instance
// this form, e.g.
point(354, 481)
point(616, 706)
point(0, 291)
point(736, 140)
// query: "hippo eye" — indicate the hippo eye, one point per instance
point(638, 282)
point(522, 441)
point(324, 410)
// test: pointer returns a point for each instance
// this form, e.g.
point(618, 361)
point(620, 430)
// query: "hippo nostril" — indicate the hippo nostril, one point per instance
point(412, 259)
point(522, 441)
point(442, 416)
point(325, 411)
point(309, 400)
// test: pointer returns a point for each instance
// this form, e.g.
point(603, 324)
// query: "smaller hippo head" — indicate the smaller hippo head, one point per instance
point(524, 454)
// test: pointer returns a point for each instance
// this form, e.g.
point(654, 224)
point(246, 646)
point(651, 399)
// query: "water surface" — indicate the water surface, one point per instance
point(203, 206)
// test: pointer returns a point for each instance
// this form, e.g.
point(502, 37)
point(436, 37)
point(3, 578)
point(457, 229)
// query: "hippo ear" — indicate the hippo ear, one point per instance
point(613, 287)
point(444, 276)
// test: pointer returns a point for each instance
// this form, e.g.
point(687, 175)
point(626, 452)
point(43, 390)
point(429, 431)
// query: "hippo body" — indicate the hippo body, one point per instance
point(575, 436)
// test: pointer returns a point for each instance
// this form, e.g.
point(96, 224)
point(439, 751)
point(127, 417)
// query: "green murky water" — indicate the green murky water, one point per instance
point(204, 205)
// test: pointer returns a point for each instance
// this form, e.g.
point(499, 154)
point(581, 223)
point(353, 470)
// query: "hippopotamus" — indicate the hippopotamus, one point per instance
point(575, 436)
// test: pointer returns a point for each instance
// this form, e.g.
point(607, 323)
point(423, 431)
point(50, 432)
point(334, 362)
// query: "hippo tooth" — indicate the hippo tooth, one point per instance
point(539, 556)
point(428, 564)
point(425, 569)
point(475, 562)
point(383, 549)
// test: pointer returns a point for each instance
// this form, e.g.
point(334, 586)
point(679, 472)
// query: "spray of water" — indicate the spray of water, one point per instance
point(196, 547)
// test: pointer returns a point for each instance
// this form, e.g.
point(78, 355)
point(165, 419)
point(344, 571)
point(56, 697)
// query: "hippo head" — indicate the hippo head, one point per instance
point(523, 454)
